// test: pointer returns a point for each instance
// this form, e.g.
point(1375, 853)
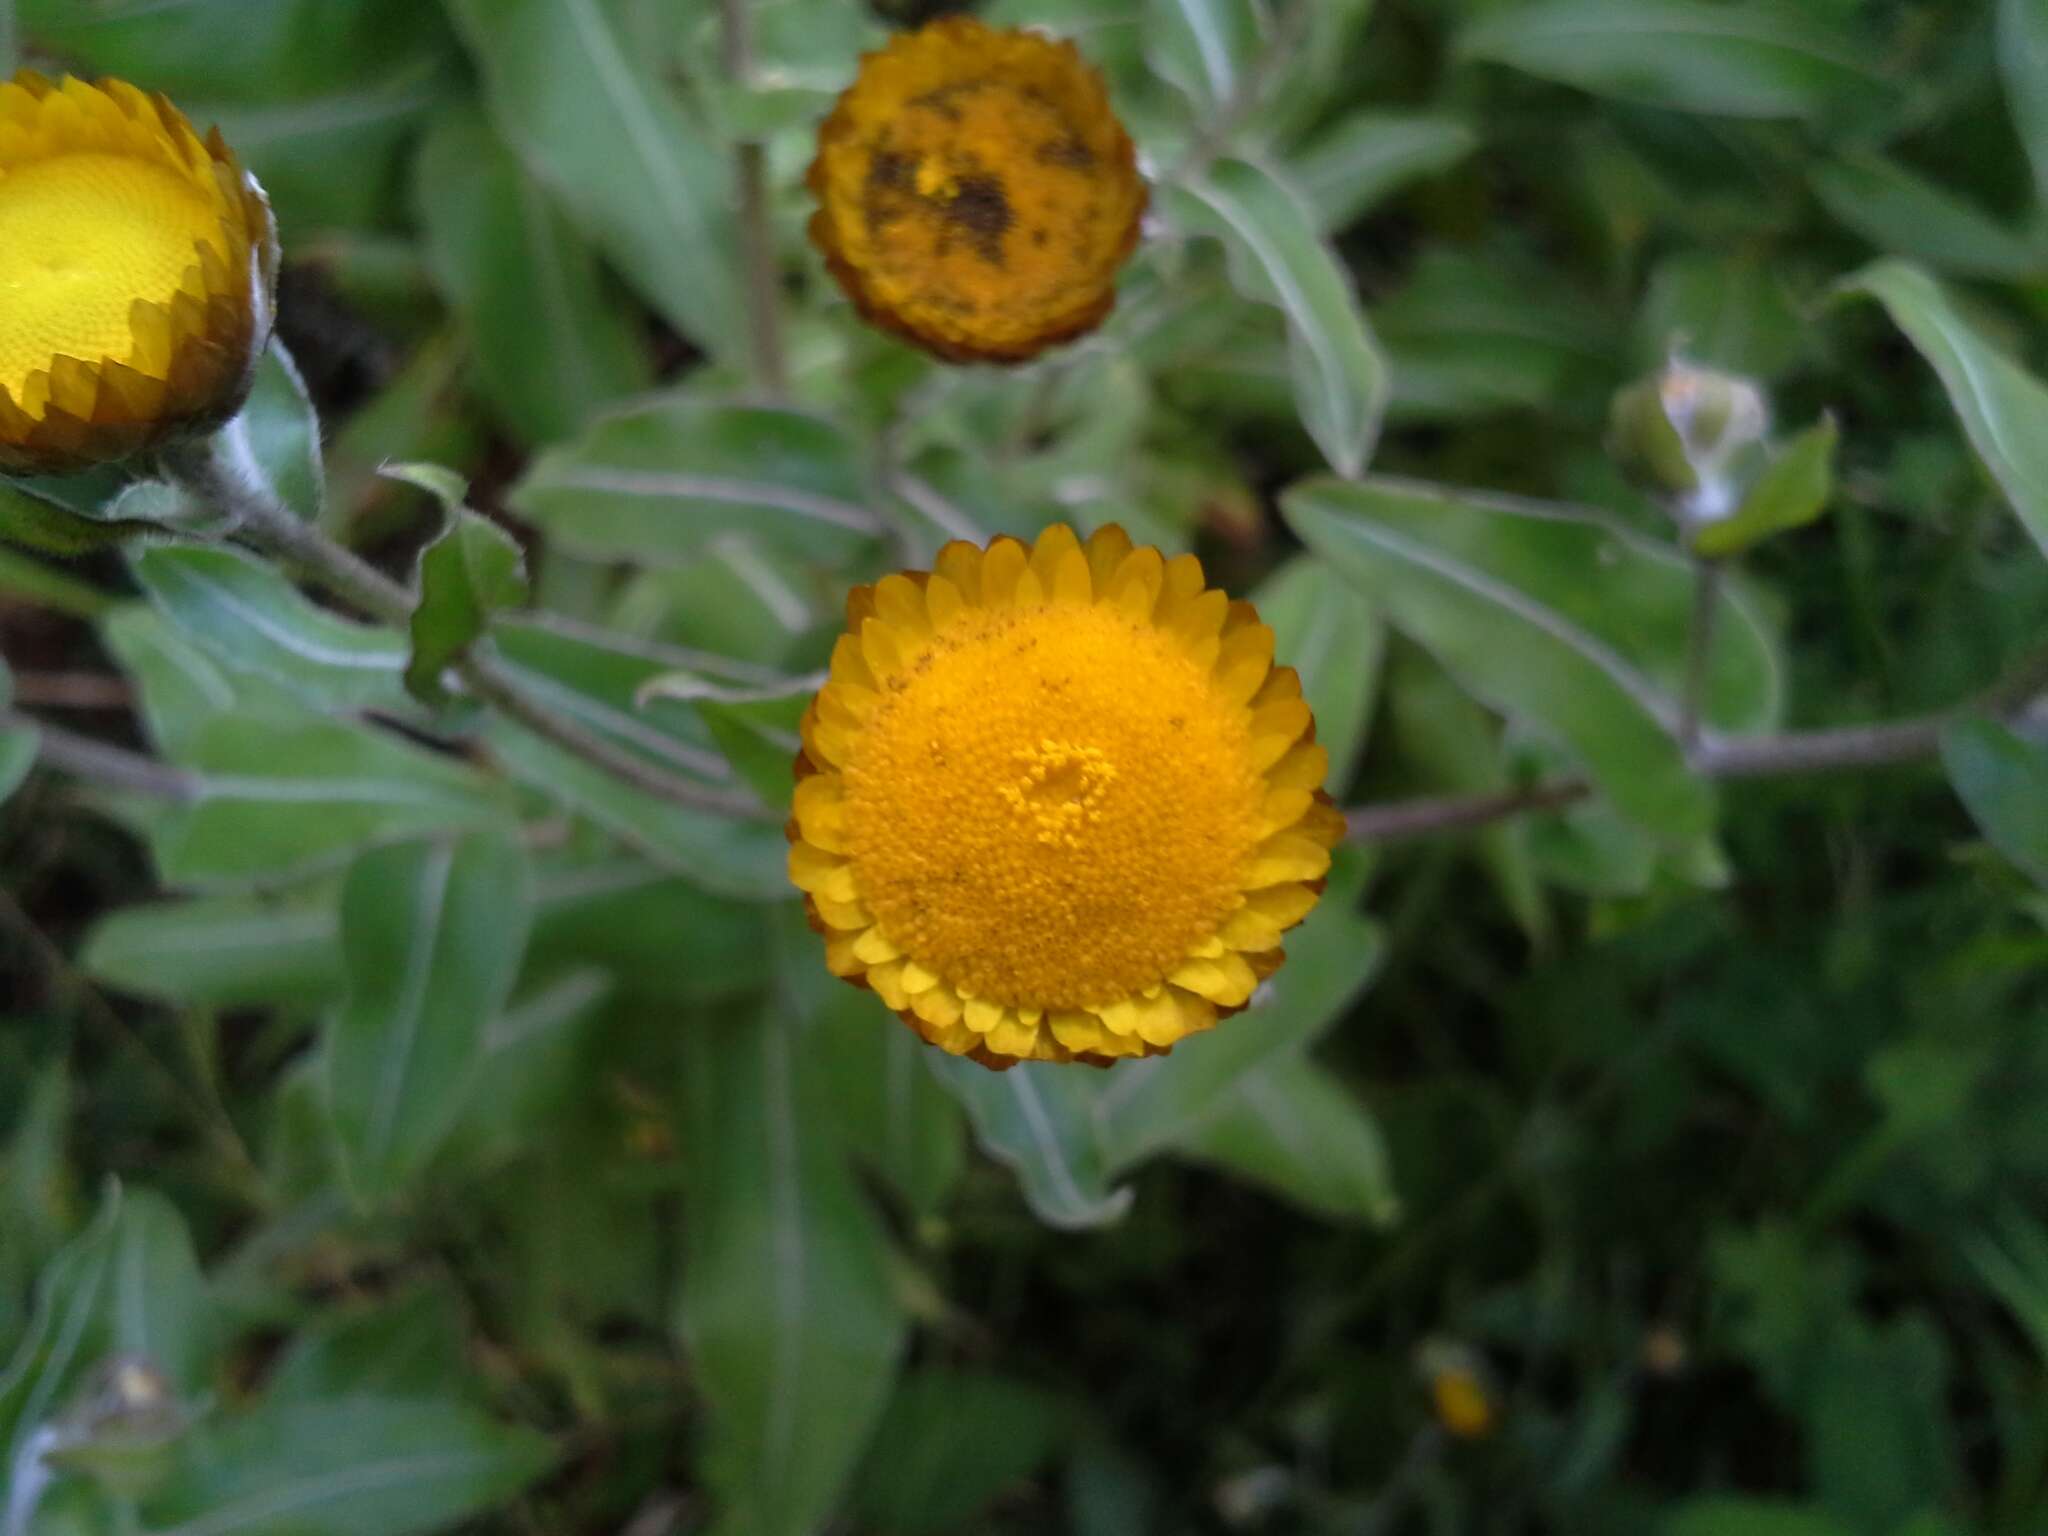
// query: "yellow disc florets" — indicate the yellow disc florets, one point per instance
point(976, 192)
point(1058, 803)
point(137, 269)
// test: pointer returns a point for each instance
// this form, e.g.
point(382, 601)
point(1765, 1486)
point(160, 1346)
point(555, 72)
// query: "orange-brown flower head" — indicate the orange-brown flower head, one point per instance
point(976, 193)
point(138, 268)
point(1056, 803)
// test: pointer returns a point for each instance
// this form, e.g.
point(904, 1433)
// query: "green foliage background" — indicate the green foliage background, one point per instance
point(474, 1142)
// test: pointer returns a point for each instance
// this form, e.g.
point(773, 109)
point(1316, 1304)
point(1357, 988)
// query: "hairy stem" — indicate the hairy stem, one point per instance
point(262, 522)
point(757, 229)
point(1733, 757)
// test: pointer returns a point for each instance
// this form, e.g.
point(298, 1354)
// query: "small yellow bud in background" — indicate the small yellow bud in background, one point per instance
point(1461, 1389)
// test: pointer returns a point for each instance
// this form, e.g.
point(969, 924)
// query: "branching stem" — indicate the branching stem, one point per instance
point(262, 522)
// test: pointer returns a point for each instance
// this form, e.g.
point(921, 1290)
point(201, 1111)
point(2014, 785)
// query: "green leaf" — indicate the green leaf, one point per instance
point(1792, 491)
point(1470, 335)
point(1149, 1105)
point(1879, 1446)
point(1900, 211)
point(219, 952)
point(1735, 313)
point(248, 616)
point(1278, 258)
point(1356, 163)
point(950, 1442)
point(353, 1466)
point(2004, 409)
point(411, 1345)
point(1749, 1517)
point(1038, 1119)
point(551, 344)
point(470, 572)
point(2003, 779)
point(593, 118)
point(1553, 617)
point(32, 521)
point(431, 937)
point(2023, 57)
point(279, 797)
point(1291, 1126)
point(18, 747)
point(786, 1303)
point(129, 1284)
point(1204, 47)
point(892, 1112)
point(1335, 640)
point(1750, 58)
point(660, 936)
point(756, 728)
point(743, 859)
point(656, 482)
point(533, 1064)
point(206, 47)
point(26, 579)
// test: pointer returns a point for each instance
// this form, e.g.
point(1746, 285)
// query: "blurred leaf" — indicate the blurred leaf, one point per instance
point(2013, 1259)
point(786, 1304)
point(18, 747)
point(552, 343)
point(2023, 56)
point(1900, 211)
point(658, 481)
point(1469, 335)
point(1149, 1105)
point(2003, 779)
point(245, 613)
point(1335, 640)
point(129, 1284)
point(531, 1067)
point(1793, 490)
point(219, 952)
point(33, 522)
point(204, 47)
point(352, 1466)
point(1277, 257)
point(1552, 617)
point(26, 579)
point(1352, 166)
point(1291, 1126)
point(592, 117)
point(950, 1442)
point(1204, 47)
point(2004, 409)
point(1878, 1441)
point(1749, 1517)
point(1730, 312)
point(1749, 58)
point(410, 1345)
point(431, 937)
point(259, 776)
point(367, 125)
point(1038, 1120)
point(468, 573)
point(659, 935)
point(756, 728)
point(181, 688)
point(895, 1116)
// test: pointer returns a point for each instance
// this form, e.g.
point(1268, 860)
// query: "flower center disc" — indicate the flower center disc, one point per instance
point(82, 237)
point(1051, 808)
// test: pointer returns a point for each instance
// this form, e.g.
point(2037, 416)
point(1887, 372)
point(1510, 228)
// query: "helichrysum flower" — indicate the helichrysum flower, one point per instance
point(976, 192)
point(137, 268)
point(1057, 803)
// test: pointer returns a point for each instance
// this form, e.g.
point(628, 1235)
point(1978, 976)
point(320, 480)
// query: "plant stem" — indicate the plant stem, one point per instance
point(260, 520)
point(1699, 650)
point(757, 229)
point(1734, 757)
point(97, 762)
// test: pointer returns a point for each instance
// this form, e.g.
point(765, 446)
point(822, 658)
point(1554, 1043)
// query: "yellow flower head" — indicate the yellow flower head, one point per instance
point(976, 192)
point(1057, 803)
point(138, 264)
